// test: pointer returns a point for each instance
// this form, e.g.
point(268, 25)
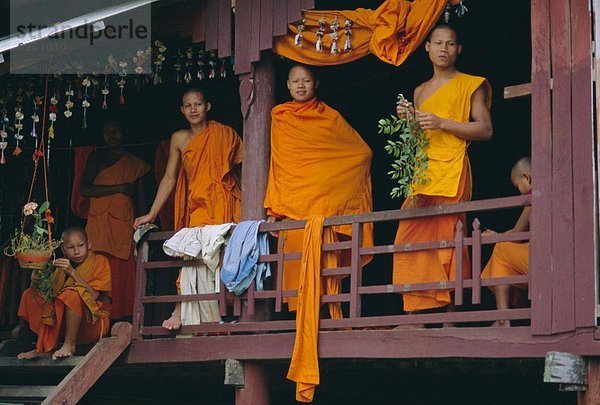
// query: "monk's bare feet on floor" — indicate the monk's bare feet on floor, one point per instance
point(32, 354)
point(173, 323)
point(501, 324)
point(63, 352)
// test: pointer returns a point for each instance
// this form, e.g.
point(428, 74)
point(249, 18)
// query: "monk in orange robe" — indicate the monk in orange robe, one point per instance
point(453, 109)
point(511, 258)
point(80, 311)
point(320, 166)
point(111, 178)
point(202, 167)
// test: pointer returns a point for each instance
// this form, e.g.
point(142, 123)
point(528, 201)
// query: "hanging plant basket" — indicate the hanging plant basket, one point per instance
point(33, 259)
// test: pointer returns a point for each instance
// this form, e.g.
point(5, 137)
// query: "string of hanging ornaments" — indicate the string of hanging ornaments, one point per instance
point(338, 31)
point(72, 97)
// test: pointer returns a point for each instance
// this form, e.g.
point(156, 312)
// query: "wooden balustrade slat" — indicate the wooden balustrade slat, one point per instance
point(476, 262)
point(458, 255)
point(279, 275)
point(355, 271)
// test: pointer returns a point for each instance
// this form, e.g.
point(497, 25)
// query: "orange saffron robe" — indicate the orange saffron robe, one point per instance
point(449, 181)
point(508, 259)
point(110, 229)
point(304, 365)
point(320, 166)
point(208, 192)
point(46, 319)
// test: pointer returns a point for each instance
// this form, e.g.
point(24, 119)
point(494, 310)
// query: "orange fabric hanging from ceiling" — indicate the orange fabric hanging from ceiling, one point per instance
point(391, 32)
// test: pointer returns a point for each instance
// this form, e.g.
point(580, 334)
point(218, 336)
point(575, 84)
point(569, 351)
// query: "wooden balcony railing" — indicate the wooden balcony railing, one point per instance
point(354, 271)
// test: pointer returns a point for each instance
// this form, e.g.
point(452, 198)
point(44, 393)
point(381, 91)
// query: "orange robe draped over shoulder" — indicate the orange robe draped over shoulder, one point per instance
point(449, 182)
point(320, 166)
point(208, 192)
point(46, 319)
point(110, 229)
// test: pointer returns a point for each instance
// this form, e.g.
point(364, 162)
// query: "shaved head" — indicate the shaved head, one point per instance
point(72, 230)
point(522, 166)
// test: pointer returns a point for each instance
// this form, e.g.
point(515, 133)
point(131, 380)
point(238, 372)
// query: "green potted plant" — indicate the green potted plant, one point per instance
point(34, 249)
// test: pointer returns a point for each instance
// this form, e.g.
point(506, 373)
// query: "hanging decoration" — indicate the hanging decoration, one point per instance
point(3, 132)
point(212, 65)
point(121, 83)
point(18, 127)
point(334, 26)
point(348, 34)
point(300, 27)
point(159, 60)
point(177, 66)
point(189, 55)
point(461, 9)
point(320, 33)
point(85, 104)
point(20, 93)
point(447, 14)
point(69, 104)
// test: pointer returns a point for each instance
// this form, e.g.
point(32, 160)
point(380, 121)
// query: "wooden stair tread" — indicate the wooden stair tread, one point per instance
point(69, 362)
point(25, 391)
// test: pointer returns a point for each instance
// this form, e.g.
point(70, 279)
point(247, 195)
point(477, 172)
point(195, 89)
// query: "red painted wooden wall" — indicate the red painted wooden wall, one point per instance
point(256, 23)
point(562, 248)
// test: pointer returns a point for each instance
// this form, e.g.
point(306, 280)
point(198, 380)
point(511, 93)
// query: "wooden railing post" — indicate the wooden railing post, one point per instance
point(476, 262)
point(140, 290)
point(458, 258)
point(356, 271)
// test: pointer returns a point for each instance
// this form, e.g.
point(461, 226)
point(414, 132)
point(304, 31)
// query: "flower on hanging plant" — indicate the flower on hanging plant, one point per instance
point(29, 208)
point(69, 92)
point(36, 238)
point(53, 101)
point(68, 113)
point(19, 115)
point(86, 82)
point(52, 116)
point(69, 104)
point(35, 118)
point(85, 103)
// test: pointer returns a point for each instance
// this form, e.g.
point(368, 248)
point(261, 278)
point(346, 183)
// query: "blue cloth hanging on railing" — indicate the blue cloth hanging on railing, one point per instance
point(240, 263)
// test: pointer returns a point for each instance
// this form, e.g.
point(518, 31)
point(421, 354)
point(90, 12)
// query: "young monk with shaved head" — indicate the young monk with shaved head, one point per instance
point(201, 169)
point(511, 258)
point(80, 310)
point(453, 109)
point(319, 166)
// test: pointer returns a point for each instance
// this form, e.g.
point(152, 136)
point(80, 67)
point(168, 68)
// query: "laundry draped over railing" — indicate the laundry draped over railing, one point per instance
point(391, 32)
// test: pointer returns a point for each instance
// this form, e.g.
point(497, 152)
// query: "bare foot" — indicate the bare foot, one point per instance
point(32, 354)
point(63, 352)
point(173, 323)
point(500, 324)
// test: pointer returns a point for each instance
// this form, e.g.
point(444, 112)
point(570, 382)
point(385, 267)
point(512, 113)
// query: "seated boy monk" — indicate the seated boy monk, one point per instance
point(80, 310)
point(511, 258)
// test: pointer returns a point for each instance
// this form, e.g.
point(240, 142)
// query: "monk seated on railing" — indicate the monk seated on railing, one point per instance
point(511, 258)
point(80, 311)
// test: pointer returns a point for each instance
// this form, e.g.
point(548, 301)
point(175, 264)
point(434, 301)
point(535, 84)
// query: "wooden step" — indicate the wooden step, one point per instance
point(30, 393)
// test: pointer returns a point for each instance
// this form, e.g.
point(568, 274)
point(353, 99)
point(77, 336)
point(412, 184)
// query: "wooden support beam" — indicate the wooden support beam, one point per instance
point(591, 396)
point(518, 90)
point(256, 389)
point(257, 96)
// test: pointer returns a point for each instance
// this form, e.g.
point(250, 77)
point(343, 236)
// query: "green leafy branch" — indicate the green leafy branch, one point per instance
point(407, 146)
point(42, 283)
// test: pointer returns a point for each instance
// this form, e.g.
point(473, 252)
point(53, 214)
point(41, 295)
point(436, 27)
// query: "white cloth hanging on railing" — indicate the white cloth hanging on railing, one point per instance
point(199, 243)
